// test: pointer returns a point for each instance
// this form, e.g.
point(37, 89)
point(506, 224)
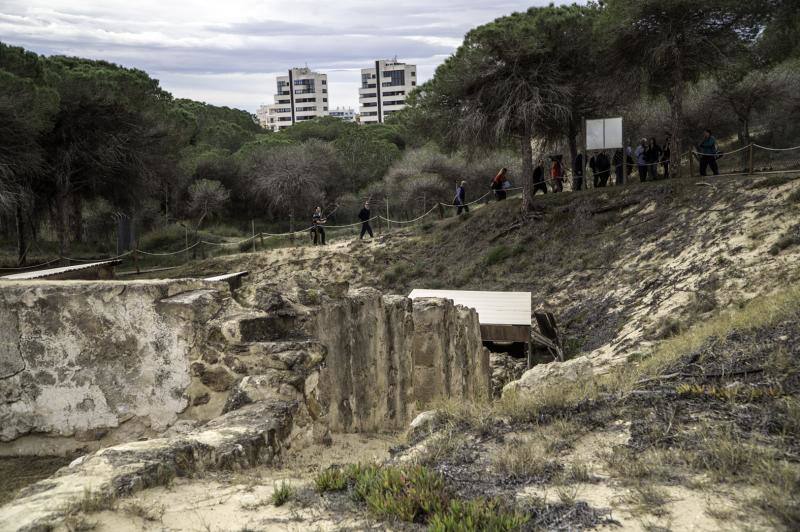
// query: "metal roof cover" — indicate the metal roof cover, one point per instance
point(41, 274)
point(494, 308)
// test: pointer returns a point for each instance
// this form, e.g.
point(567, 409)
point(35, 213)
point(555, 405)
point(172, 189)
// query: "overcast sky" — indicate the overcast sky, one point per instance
point(228, 52)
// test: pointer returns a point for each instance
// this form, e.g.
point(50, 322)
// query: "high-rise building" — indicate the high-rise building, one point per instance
point(302, 95)
point(348, 114)
point(384, 89)
point(263, 115)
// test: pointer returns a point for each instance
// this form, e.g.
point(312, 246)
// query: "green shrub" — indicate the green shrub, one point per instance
point(226, 231)
point(477, 515)
point(166, 238)
point(332, 479)
point(497, 255)
point(409, 493)
point(416, 494)
point(282, 494)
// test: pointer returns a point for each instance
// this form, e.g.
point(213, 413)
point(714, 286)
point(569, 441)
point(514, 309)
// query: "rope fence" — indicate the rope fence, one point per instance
point(749, 162)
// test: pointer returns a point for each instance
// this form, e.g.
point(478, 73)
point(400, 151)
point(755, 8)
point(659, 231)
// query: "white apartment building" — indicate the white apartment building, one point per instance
point(348, 114)
point(384, 89)
point(302, 95)
point(263, 115)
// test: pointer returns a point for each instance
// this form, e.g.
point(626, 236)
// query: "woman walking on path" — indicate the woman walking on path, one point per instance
point(497, 184)
point(461, 198)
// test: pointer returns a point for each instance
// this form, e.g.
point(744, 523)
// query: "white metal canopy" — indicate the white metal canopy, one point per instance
point(494, 308)
point(40, 274)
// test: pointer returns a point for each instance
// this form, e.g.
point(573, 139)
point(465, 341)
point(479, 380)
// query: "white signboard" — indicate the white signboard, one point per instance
point(604, 133)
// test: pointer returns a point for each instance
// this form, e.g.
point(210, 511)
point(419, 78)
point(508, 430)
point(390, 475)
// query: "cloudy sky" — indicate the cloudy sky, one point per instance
point(228, 52)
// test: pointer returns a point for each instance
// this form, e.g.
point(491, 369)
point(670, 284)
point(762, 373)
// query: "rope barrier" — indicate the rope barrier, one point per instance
point(409, 221)
point(403, 222)
point(31, 267)
point(95, 260)
point(775, 149)
point(184, 250)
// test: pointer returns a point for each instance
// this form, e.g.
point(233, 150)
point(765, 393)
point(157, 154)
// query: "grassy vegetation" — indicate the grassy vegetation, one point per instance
point(416, 494)
point(522, 458)
point(282, 494)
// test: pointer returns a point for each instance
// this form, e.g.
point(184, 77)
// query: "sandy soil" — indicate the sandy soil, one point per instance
point(695, 510)
point(241, 501)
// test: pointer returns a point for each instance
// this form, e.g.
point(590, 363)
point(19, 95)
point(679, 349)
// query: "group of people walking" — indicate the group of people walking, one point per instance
point(647, 157)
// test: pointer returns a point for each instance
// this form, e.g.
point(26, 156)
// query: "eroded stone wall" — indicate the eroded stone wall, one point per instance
point(388, 358)
point(79, 358)
point(84, 365)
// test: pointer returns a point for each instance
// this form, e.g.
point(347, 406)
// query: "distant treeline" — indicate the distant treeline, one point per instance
point(84, 143)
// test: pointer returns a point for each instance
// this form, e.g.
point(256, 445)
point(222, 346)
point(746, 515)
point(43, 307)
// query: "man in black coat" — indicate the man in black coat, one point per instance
point(363, 215)
point(603, 166)
point(577, 172)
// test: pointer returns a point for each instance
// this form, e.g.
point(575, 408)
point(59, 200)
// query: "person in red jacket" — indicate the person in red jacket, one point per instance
point(557, 175)
point(497, 184)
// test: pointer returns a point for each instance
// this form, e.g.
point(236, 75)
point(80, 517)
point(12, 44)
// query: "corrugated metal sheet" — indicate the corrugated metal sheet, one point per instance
point(41, 274)
point(494, 308)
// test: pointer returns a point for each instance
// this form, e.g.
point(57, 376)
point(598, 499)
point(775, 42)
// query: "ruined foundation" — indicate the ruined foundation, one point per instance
point(198, 380)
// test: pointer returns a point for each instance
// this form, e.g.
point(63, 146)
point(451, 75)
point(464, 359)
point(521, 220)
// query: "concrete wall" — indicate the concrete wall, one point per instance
point(79, 358)
point(89, 364)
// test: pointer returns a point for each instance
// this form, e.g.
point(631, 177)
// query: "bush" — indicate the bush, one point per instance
point(477, 515)
point(169, 237)
point(282, 494)
point(416, 494)
point(332, 479)
point(497, 255)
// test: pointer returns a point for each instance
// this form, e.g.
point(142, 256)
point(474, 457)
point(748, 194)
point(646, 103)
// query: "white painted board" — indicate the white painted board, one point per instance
point(494, 308)
point(604, 133)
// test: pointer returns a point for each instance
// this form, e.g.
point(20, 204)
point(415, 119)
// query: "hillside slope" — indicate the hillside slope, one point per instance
point(678, 409)
point(620, 267)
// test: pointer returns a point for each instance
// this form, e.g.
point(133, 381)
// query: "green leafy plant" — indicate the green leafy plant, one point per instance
point(282, 494)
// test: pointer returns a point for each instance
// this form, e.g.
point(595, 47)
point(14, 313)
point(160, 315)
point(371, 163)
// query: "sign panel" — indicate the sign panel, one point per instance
point(604, 133)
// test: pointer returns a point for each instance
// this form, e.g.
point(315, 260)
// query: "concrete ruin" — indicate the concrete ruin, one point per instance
point(184, 368)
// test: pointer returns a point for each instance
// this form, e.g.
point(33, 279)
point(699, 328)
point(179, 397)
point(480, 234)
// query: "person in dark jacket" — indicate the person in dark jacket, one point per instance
point(317, 220)
point(364, 216)
point(708, 153)
point(665, 155)
point(619, 168)
point(603, 167)
point(641, 160)
point(577, 172)
point(653, 155)
point(461, 198)
point(538, 178)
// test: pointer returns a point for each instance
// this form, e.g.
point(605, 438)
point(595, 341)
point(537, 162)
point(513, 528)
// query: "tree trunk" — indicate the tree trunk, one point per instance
point(676, 116)
point(745, 139)
point(76, 220)
point(573, 145)
point(21, 245)
point(527, 174)
point(62, 222)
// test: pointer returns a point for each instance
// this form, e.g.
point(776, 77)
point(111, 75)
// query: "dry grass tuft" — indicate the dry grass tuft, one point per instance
point(525, 459)
point(148, 512)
